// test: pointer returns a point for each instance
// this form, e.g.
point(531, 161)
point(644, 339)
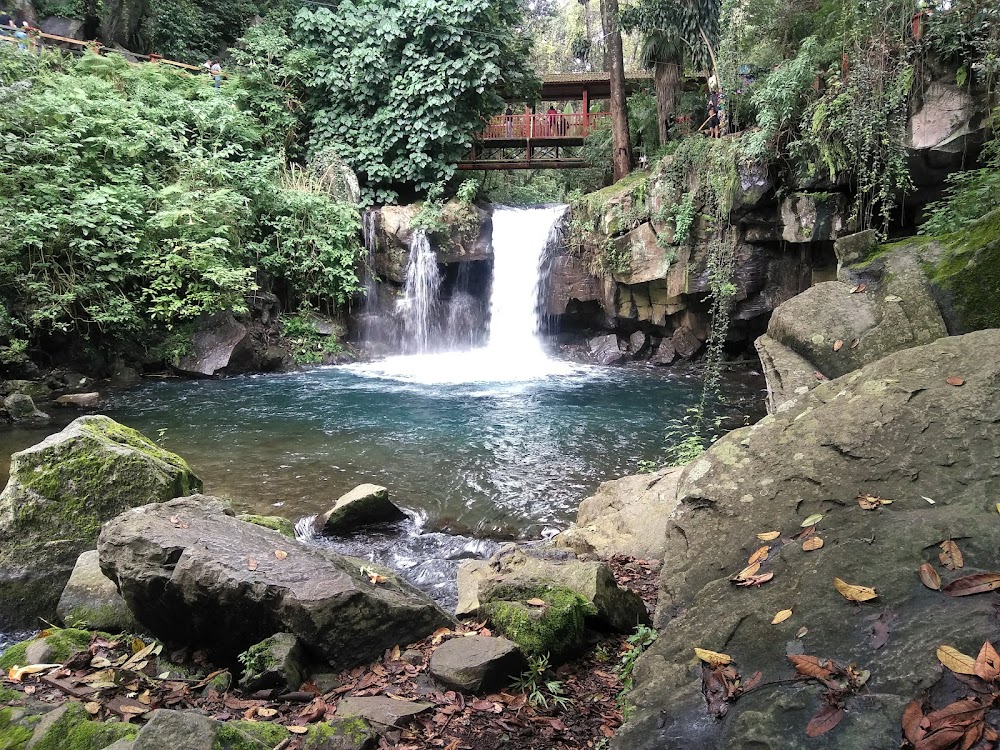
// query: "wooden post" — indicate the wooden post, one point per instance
point(586, 111)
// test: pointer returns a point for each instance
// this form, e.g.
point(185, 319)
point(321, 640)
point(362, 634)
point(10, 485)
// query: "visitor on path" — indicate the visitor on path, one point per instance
point(553, 117)
point(215, 70)
point(508, 118)
point(22, 36)
point(713, 123)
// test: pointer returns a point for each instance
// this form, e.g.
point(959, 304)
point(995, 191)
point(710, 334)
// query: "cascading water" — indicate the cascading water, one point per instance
point(419, 306)
point(513, 352)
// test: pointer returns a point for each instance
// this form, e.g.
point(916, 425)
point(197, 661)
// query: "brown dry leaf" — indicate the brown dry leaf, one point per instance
point(747, 572)
point(859, 289)
point(756, 580)
point(955, 660)
point(93, 708)
point(988, 663)
point(978, 583)
point(251, 563)
point(929, 577)
point(15, 674)
point(536, 602)
point(770, 536)
point(280, 554)
point(913, 715)
point(820, 376)
point(811, 666)
point(713, 657)
point(266, 713)
point(812, 543)
point(872, 502)
point(951, 555)
point(297, 730)
point(759, 556)
point(394, 655)
point(825, 719)
point(438, 635)
point(856, 343)
point(838, 345)
point(377, 578)
point(854, 593)
point(814, 519)
point(957, 382)
point(781, 616)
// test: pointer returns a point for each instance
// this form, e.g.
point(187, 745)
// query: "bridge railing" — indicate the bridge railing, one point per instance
point(530, 126)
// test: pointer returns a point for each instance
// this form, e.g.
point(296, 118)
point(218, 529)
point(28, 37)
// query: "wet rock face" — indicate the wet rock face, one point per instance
point(365, 505)
point(193, 574)
point(896, 429)
point(221, 343)
point(60, 492)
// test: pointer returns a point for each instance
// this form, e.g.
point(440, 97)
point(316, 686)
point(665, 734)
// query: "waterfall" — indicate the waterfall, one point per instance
point(520, 239)
point(370, 279)
point(419, 306)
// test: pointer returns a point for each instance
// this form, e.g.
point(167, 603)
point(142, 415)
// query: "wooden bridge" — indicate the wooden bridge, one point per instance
point(547, 140)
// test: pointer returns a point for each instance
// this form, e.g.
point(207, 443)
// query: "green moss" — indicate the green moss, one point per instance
point(275, 523)
point(105, 615)
point(232, 736)
point(75, 730)
point(257, 660)
point(556, 629)
point(13, 736)
point(969, 273)
point(64, 642)
point(7, 695)
point(357, 730)
point(270, 734)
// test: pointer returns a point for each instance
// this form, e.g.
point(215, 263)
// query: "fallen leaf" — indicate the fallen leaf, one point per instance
point(756, 580)
point(438, 635)
point(955, 660)
point(175, 520)
point(759, 556)
point(859, 289)
point(801, 632)
point(927, 499)
point(15, 674)
point(266, 713)
point(781, 616)
point(536, 602)
point(251, 563)
point(854, 593)
point(893, 298)
point(814, 519)
point(812, 666)
point(93, 708)
point(838, 345)
point(856, 343)
point(713, 657)
point(957, 382)
point(872, 502)
point(988, 663)
point(280, 554)
point(998, 507)
point(395, 654)
point(929, 577)
point(979, 583)
point(297, 730)
point(377, 578)
point(770, 536)
point(482, 705)
point(747, 572)
point(825, 719)
point(951, 555)
point(812, 543)
point(912, 716)
point(879, 635)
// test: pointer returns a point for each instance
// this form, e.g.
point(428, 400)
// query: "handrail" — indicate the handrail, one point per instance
point(541, 125)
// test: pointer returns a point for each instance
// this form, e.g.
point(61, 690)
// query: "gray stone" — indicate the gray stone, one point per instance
point(569, 279)
point(616, 607)
point(814, 217)
point(950, 123)
point(60, 492)
point(665, 353)
point(381, 711)
point(366, 504)
point(70, 28)
point(606, 349)
point(855, 247)
point(80, 400)
point(124, 375)
point(275, 662)
point(895, 429)
point(186, 730)
point(39, 652)
point(627, 516)
point(684, 342)
point(638, 345)
point(212, 580)
point(91, 600)
point(22, 410)
point(221, 343)
point(38, 391)
point(476, 664)
point(342, 734)
point(647, 260)
point(786, 373)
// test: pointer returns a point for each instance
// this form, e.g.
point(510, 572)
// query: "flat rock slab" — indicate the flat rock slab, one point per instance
point(91, 600)
point(476, 663)
point(197, 576)
point(381, 711)
point(366, 504)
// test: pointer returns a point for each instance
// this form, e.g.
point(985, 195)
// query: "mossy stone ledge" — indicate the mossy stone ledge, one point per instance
point(556, 629)
point(59, 494)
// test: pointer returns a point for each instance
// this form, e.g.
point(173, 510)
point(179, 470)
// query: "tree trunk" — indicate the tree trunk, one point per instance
point(668, 82)
point(621, 147)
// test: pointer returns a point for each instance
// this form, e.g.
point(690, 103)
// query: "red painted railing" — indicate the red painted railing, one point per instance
point(544, 125)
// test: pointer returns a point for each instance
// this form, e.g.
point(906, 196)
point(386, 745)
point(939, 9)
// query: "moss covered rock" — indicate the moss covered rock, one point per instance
point(342, 734)
point(70, 727)
point(276, 523)
point(51, 647)
point(557, 629)
point(60, 492)
point(275, 662)
point(179, 730)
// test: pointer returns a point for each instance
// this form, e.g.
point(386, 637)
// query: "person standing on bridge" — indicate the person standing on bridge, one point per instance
point(508, 119)
point(553, 118)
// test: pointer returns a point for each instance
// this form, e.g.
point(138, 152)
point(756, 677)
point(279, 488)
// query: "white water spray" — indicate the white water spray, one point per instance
point(420, 303)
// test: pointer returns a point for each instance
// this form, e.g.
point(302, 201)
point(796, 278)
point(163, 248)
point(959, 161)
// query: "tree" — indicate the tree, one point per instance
point(620, 142)
point(674, 30)
point(400, 87)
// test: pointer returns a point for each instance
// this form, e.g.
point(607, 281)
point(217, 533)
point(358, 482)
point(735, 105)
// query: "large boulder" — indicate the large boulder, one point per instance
point(220, 344)
point(476, 663)
point(950, 123)
point(606, 349)
point(627, 516)
point(60, 492)
point(194, 574)
point(647, 259)
point(786, 373)
point(91, 600)
point(569, 279)
point(22, 410)
point(896, 429)
point(613, 606)
point(366, 504)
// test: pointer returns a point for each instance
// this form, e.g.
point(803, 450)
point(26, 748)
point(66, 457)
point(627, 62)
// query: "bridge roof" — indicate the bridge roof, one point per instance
point(570, 86)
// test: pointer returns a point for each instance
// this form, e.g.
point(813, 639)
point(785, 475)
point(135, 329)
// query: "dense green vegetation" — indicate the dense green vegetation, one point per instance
point(137, 198)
